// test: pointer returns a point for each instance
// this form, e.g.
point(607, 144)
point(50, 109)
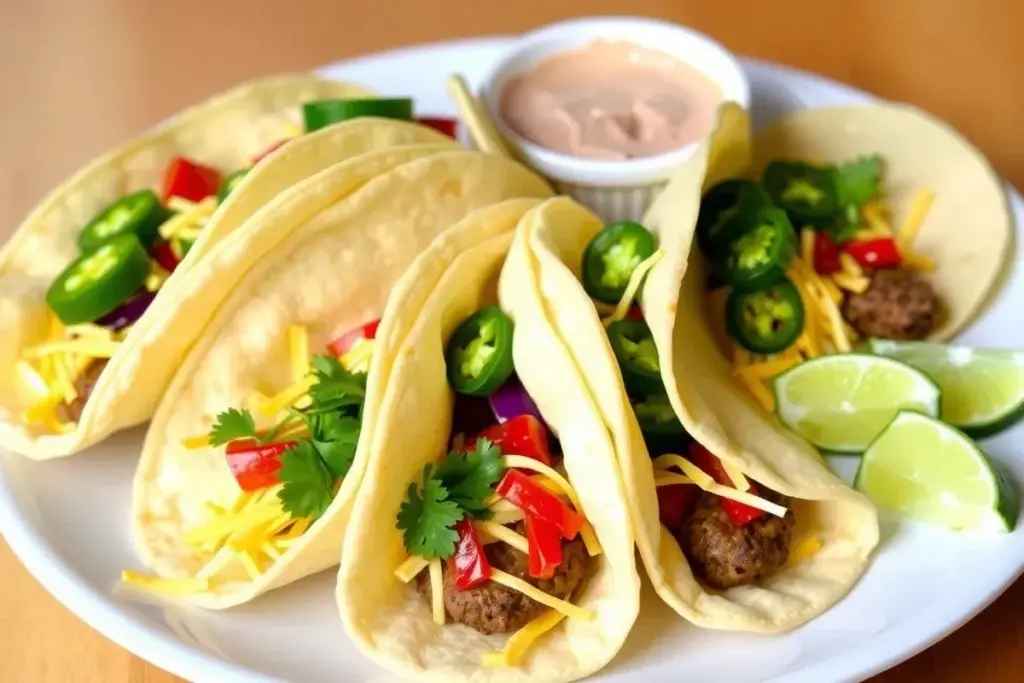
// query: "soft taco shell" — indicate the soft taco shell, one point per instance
point(387, 619)
point(131, 401)
point(322, 257)
point(968, 230)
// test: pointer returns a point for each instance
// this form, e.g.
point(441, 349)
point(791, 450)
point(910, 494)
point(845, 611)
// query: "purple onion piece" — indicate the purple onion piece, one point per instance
point(511, 400)
point(129, 312)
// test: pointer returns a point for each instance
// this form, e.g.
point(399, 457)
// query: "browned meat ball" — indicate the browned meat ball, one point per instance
point(723, 554)
point(84, 385)
point(897, 305)
point(493, 608)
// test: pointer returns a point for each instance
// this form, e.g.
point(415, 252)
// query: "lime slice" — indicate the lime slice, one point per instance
point(982, 389)
point(924, 469)
point(842, 403)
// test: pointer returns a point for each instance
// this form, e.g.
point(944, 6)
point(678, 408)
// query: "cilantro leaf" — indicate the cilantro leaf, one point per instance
point(859, 181)
point(308, 486)
point(335, 438)
point(426, 519)
point(846, 224)
point(469, 478)
point(335, 387)
point(233, 424)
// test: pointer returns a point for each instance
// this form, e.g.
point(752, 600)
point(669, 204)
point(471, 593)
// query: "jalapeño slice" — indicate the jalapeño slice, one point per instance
point(768, 321)
point(479, 354)
point(612, 256)
point(758, 248)
point(637, 355)
point(323, 113)
point(661, 428)
point(722, 203)
point(99, 281)
point(230, 183)
point(139, 213)
point(807, 193)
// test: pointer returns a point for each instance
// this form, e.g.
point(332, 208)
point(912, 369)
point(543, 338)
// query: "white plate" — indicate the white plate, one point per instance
point(68, 520)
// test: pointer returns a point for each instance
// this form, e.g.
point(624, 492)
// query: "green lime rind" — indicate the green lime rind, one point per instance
point(924, 469)
point(983, 389)
point(845, 408)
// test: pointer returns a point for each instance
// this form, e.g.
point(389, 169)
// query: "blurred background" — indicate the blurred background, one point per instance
point(79, 76)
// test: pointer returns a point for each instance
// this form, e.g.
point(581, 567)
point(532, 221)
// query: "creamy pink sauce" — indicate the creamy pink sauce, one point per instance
point(611, 100)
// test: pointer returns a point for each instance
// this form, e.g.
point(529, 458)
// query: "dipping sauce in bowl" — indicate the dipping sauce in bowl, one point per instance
point(611, 100)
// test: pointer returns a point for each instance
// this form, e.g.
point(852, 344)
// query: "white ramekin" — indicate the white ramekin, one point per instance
point(615, 190)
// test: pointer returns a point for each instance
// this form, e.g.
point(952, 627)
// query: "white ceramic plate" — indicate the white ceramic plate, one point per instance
point(68, 520)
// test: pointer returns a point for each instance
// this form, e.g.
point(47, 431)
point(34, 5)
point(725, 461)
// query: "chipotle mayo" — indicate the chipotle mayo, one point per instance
point(611, 100)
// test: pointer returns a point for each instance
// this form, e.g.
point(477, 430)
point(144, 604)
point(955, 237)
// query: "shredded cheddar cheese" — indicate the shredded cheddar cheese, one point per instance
point(849, 265)
point(298, 347)
point(632, 287)
point(565, 607)
point(804, 548)
point(164, 586)
point(915, 219)
point(410, 569)
point(502, 533)
point(807, 245)
point(436, 592)
point(188, 218)
point(704, 481)
point(852, 283)
point(915, 261)
point(520, 642)
point(670, 479)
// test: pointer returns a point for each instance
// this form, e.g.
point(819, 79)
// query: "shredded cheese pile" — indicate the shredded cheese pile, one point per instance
point(825, 330)
point(188, 221)
point(47, 373)
point(496, 531)
point(691, 474)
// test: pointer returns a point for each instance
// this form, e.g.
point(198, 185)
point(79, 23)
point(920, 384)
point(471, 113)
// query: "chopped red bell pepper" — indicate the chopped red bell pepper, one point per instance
point(273, 148)
point(255, 465)
point(469, 562)
point(441, 124)
point(738, 513)
point(189, 180)
point(522, 435)
point(826, 254)
point(164, 255)
point(876, 254)
point(635, 313)
point(545, 547)
point(343, 344)
point(534, 499)
point(674, 502)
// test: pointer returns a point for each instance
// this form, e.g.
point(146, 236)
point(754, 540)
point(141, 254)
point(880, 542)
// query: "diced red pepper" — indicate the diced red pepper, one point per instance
point(443, 125)
point(534, 499)
point(635, 313)
point(273, 148)
point(826, 254)
point(673, 503)
point(522, 435)
point(164, 255)
point(469, 563)
point(876, 254)
point(545, 547)
point(738, 513)
point(343, 344)
point(255, 465)
point(189, 180)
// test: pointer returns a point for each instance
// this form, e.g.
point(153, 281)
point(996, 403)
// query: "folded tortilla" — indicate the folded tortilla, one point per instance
point(227, 132)
point(325, 255)
point(386, 618)
point(968, 230)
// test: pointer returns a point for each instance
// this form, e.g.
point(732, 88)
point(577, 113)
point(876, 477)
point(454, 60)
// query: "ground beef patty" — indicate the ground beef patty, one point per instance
point(86, 382)
point(493, 608)
point(723, 554)
point(897, 305)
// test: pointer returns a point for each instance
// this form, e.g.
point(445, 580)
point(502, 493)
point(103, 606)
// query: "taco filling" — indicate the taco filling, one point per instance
point(495, 532)
point(807, 263)
point(127, 251)
point(288, 453)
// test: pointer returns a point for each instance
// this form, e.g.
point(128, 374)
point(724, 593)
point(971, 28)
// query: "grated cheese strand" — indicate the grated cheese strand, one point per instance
point(93, 348)
point(671, 479)
point(915, 219)
point(286, 398)
point(505, 535)
point(807, 245)
point(567, 608)
point(519, 643)
point(707, 483)
point(164, 586)
point(298, 345)
point(410, 569)
point(436, 592)
point(632, 287)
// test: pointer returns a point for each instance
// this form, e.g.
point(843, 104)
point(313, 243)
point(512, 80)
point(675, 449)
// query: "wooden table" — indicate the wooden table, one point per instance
point(78, 76)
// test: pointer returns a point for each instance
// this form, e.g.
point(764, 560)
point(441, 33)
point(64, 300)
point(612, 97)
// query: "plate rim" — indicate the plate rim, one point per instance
point(131, 632)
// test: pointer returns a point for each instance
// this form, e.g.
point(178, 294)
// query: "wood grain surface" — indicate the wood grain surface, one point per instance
point(79, 76)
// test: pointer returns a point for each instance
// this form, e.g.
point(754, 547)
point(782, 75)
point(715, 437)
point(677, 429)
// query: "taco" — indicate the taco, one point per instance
point(491, 538)
point(77, 296)
point(253, 457)
point(738, 522)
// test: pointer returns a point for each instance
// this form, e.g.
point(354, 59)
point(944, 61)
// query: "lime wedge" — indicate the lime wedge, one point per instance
point(842, 403)
point(925, 469)
point(982, 389)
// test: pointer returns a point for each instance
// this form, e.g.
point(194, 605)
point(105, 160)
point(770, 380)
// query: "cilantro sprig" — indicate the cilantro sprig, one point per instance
point(457, 488)
point(333, 417)
point(857, 182)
